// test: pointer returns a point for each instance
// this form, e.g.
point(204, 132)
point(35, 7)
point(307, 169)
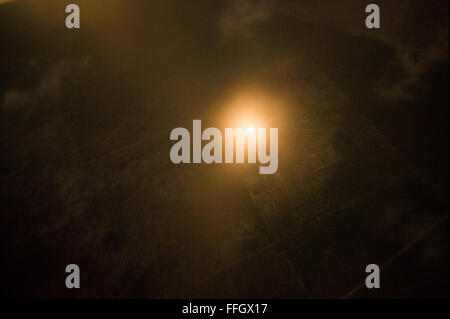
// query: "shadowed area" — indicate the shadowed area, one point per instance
point(86, 176)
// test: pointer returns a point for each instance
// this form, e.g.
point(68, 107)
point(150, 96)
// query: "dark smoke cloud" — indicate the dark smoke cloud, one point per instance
point(48, 86)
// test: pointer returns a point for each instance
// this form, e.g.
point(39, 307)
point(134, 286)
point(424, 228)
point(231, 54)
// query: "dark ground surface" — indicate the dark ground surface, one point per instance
point(86, 176)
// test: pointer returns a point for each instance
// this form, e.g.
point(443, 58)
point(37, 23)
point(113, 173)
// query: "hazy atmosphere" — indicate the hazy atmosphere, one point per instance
point(86, 178)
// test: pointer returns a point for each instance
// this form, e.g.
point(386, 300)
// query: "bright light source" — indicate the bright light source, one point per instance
point(251, 109)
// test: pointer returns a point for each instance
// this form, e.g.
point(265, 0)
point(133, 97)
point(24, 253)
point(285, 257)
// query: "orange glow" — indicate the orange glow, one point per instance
point(252, 109)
